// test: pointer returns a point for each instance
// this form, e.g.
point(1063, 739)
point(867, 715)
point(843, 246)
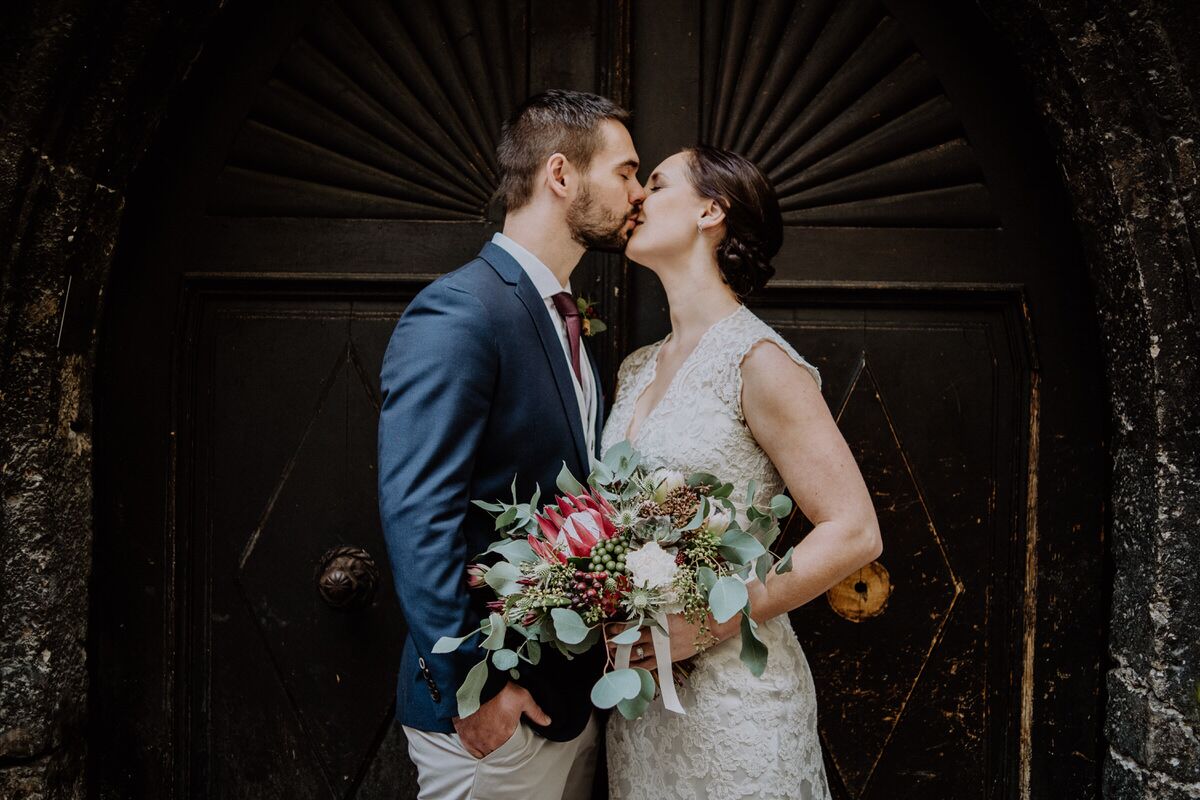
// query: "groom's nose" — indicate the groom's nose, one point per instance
point(637, 195)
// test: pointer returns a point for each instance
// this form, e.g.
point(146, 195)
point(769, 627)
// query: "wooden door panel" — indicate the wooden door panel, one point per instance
point(911, 655)
point(295, 692)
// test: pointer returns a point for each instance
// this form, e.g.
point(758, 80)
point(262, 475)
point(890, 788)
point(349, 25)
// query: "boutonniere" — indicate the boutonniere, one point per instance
point(591, 323)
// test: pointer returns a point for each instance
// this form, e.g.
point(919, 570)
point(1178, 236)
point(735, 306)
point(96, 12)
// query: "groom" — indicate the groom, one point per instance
point(486, 377)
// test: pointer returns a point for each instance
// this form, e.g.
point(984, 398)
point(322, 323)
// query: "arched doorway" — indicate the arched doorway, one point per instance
point(326, 160)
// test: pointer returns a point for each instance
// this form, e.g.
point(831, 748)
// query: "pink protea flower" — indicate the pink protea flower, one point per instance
point(577, 523)
point(544, 551)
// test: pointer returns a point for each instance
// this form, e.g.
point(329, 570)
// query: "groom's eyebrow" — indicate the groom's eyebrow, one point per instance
point(631, 162)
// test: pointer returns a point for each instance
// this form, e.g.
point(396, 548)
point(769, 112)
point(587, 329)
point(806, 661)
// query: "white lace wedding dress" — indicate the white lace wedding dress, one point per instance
point(742, 736)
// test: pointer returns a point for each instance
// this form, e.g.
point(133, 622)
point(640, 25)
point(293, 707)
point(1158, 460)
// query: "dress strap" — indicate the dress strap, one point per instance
point(736, 345)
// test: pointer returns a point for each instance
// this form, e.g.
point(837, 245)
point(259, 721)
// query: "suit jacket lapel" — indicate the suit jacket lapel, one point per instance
point(552, 346)
point(511, 272)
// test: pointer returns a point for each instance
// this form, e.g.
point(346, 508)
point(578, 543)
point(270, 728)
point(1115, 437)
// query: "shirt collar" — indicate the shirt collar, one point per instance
point(543, 279)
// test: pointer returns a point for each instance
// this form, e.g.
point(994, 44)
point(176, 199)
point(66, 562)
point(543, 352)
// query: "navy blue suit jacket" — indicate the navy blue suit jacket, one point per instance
point(476, 389)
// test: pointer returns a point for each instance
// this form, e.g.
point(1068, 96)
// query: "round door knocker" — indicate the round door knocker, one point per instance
point(346, 577)
point(863, 594)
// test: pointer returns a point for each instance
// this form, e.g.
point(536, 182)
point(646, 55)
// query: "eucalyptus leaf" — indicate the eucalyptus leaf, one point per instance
point(596, 326)
point(762, 565)
point(506, 519)
point(627, 636)
point(723, 491)
point(754, 652)
point(622, 459)
point(495, 508)
point(633, 707)
point(615, 686)
point(448, 644)
point(701, 515)
point(781, 505)
point(569, 626)
point(727, 598)
point(589, 641)
point(648, 687)
point(703, 479)
point(707, 578)
point(495, 629)
point(533, 649)
point(566, 482)
point(770, 534)
point(468, 694)
point(601, 474)
point(504, 659)
point(502, 577)
point(515, 551)
point(785, 562)
point(740, 547)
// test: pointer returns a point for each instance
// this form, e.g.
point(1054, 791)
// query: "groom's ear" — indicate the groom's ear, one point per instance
point(560, 174)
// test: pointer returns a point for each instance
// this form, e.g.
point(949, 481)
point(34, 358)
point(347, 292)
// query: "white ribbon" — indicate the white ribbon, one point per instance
point(623, 656)
point(662, 655)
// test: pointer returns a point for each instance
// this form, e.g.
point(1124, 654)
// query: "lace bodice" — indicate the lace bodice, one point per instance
point(698, 425)
point(743, 737)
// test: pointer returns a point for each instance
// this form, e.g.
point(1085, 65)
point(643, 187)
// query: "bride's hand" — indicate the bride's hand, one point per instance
point(684, 636)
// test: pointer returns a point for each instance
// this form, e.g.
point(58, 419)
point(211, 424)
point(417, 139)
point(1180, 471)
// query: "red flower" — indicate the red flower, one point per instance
point(577, 523)
point(544, 551)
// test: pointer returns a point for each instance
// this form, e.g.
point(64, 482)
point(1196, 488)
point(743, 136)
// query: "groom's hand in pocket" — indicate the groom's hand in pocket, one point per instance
point(497, 720)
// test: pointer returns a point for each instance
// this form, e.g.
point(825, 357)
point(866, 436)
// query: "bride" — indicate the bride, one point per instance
point(724, 393)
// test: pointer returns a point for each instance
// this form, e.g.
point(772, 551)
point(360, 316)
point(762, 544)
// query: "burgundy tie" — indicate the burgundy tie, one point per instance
point(567, 309)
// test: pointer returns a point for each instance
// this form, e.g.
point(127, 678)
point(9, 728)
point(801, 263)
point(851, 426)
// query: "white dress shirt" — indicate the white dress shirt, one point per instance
point(547, 286)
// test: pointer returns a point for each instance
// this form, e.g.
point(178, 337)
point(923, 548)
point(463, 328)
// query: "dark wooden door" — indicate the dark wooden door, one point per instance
point(929, 271)
point(325, 160)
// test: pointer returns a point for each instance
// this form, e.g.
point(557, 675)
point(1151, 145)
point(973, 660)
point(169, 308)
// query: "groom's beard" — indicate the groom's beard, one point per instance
point(594, 227)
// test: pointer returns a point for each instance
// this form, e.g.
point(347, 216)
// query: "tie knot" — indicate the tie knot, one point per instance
point(565, 304)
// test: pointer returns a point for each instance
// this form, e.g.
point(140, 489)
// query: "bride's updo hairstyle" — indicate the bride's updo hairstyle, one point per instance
point(753, 224)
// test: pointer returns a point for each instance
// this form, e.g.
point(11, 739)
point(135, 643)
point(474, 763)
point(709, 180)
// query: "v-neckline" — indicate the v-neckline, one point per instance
point(674, 378)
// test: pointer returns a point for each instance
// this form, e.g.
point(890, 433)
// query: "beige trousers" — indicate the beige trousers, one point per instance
point(526, 767)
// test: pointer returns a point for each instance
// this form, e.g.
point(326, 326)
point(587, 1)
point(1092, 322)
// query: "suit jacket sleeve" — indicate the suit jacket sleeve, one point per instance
point(438, 380)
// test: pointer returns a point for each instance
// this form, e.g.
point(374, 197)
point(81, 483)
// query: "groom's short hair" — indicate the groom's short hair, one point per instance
point(556, 121)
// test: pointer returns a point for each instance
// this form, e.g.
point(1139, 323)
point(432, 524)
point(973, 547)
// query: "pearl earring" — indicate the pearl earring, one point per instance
point(699, 226)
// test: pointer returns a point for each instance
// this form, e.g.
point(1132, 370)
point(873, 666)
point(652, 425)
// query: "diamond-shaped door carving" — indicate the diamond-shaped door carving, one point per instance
point(868, 653)
point(336, 666)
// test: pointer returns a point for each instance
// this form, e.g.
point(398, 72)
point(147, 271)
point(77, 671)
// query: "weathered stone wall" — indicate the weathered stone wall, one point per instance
point(1116, 84)
point(83, 84)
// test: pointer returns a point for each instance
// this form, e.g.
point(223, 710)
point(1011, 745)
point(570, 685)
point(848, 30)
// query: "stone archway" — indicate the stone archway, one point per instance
point(82, 89)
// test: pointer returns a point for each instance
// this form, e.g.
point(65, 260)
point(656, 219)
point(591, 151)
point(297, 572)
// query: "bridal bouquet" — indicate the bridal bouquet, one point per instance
point(630, 547)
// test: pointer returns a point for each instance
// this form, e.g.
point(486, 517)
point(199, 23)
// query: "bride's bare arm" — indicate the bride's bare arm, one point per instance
point(791, 422)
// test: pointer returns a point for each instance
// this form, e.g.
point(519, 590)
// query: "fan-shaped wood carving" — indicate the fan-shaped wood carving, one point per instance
point(833, 101)
point(382, 110)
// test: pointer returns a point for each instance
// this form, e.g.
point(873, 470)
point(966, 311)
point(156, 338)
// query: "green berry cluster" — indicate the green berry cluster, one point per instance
point(537, 599)
point(701, 547)
point(609, 556)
